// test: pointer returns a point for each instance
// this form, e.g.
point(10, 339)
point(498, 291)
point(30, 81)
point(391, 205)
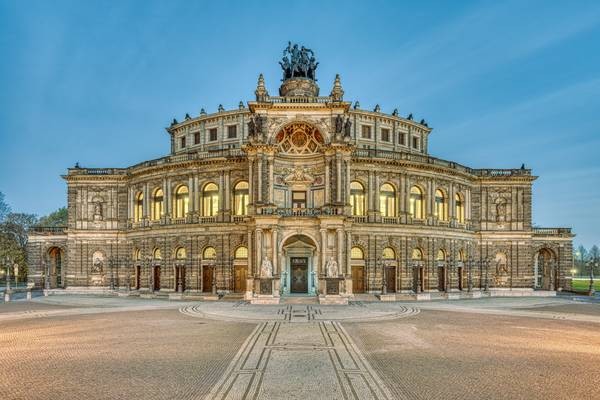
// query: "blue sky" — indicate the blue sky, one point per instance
point(501, 83)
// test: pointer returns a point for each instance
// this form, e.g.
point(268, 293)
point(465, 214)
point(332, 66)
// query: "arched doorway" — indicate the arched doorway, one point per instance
point(54, 270)
point(545, 267)
point(299, 265)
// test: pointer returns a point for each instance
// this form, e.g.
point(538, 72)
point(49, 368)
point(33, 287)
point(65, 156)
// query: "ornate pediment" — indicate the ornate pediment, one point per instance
point(298, 176)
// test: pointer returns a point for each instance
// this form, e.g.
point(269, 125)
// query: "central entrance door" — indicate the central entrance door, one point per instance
point(299, 277)
point(239, 283)
point(358, 279)
point(207, 278)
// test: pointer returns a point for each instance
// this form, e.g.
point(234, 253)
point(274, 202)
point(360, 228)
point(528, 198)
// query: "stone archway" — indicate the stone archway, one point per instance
point(545, 269)
point(299, 264)
point(55, 267)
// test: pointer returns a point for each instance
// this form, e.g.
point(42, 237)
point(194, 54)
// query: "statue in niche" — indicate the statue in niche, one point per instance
point(501, 264)
point(339, 124)
point(98, 211)
point(97, 262)
point(501, 212)
point(332, 268)
point(347, 128)
point(266, 268)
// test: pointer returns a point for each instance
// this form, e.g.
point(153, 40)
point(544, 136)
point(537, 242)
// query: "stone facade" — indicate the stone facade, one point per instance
point(298, 180)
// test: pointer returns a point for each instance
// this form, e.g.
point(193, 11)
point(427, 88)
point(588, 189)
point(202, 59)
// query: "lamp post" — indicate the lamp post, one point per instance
point(8, 266)
point(214, 279)
point(111, 263)
point(469, 276)
point(383, 280)
point(128, 272)
point(449, 269)
point(487, 281)
point(16, 266)
point(47, 269)
point(592, 263)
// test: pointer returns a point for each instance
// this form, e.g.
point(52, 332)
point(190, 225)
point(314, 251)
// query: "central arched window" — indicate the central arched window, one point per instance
point(240, 198)
point(357, 198)
point(241, 252)
point(182, 197)
point(441, 255)
point(156, 254)
point(416, 202)
point(209, 253)
point(387, 200)
point(157, 204)
point(299, 138)
point(441, 205)
point(138, 207)
point(356, 253)
point(459, 205)
point(417, 254)
point(388, 254)
point(210, 200)
point(180, 253)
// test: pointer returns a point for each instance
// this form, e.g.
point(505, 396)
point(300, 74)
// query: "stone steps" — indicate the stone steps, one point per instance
point(299, 300)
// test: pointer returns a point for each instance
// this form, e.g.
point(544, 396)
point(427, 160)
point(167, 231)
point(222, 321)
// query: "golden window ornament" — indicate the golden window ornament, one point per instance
point(299, 138)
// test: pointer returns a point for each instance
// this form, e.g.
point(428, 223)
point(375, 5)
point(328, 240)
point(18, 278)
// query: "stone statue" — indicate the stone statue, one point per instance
point(332, 268)
point(298, 62)
point(97, 262)
point(98, 211)
point(266, 268)
point(339, 124)
point(501, 212)
point(348, 128)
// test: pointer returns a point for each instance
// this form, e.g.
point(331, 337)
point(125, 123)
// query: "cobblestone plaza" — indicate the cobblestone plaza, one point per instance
point(72, 347)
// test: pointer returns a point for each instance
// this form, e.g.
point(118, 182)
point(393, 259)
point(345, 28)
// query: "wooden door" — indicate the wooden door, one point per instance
point(358, 279)
point(441, 279)
point(239, 283)
point(138, 271)
point(390, 276)
point(299, 277)
point(156, 278)
point(207, 278)
point(460, 278)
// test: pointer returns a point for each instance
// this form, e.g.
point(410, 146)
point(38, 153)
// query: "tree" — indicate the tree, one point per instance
point(56, 218)
point(4, 208)
point(13, 238)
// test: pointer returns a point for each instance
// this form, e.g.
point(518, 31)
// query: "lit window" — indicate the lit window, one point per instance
point(388, 254)
point(441, 205)
point(356, 253)
point(182, 197)
point(241, 252)
point(385, 135)
point(416, 202)
point(240, 198)
point(138, 208)
point(232, 131)
point(365, 132)
point(462, 256)
point(387, 200)
point(460, 208)
point(137, 254)
point(417, 254)
point(156, 254)
point(441, 255)
point(209, 253)
point(180, 253)
point(157, 204)
point(357, 198)
point(210, 200)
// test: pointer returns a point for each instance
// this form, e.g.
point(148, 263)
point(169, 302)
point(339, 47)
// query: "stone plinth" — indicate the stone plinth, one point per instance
point(266, 290)
point(387, 297)
point(333, 299)
point(302, 87)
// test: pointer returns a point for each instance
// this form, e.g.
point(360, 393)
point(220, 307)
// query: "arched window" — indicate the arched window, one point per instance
point(460, 208)
point(209, 253)
point(157, 204)
point(416, 202)
point(180, 253)
point(388, 254)
point(462, 256)
point(137, 255)
point(182, 197)
point(441, 205)
point(138, 207)
point(240, 198)
point(417, 254)
point(357, 254)
point(387, 200)
point(357, 198)
point(441, 255)
point(241, 252)
point(210, 200)
point(156, 254)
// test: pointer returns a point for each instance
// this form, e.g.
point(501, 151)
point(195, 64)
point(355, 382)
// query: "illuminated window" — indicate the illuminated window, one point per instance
point(157, 204)
point(156, 254)
point(357, 198)
point(241, 252)
point(462, 257)
point(210, 200)
point(388, 254)
point(357, 254)
point(441, 205)
point(180, 253)
point(138, 208)
point(209, 253)
point(240, 198)
point(417, 254)
point(182, 197)
point(441, 255)
point(459, 205)
point(137, 255)
point(387, 200)
point(416, 202)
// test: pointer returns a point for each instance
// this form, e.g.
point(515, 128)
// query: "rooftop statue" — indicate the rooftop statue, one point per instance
point(298, 62)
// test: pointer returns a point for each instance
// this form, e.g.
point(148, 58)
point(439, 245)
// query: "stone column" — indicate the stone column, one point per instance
point(274, 250)
point(323, 250)
point(250, 252)
point(347, 197)
point(259, 180)
point(348, 249)
point(451, 204)
point(271, 182)
point(338, 168)
point(169, 198)
point(130, 204)
point(258, 249)
point(376, 205)
point(192, 194)
point(146, 207)
point(340, 242)
point(467, 206)
point(250, 180)
point(227, 196)
point(166, 199)
point(327, 180)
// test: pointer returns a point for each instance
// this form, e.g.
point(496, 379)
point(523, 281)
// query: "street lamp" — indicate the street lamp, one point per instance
point(592, 264)
point(486, 287)
point(8, 265)
point(469, 276)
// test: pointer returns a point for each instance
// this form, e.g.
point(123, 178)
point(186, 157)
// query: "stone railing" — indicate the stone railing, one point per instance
point(48, 230)
point(299, 99)
point(551, 231)
point(97, 171)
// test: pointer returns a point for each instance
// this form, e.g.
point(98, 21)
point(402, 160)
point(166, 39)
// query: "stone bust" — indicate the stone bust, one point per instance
point(332, 268)
point(266, 268)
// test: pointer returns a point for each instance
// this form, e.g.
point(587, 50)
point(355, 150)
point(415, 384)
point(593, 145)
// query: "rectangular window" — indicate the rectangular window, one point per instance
point(182, 142)
point(298, 199)
point(385, 135)
point(415, 142)
point(402, 139)
point(366, 132)
point(231, 131)
point(212, 134)
point(197, 138)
